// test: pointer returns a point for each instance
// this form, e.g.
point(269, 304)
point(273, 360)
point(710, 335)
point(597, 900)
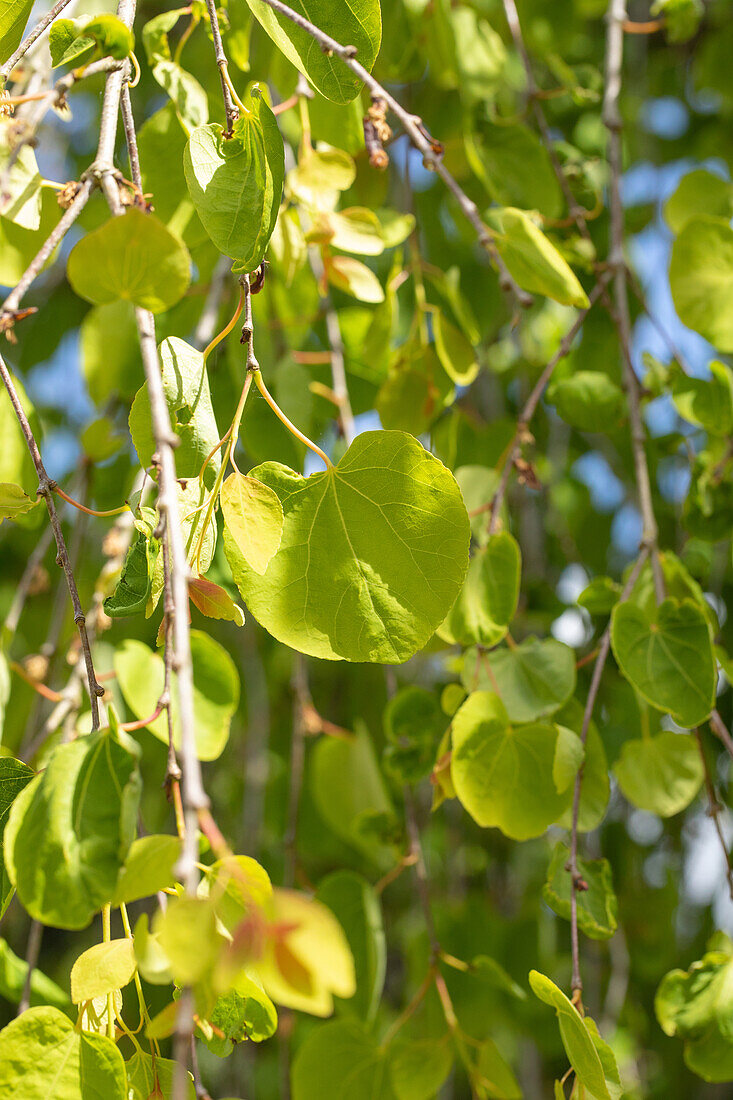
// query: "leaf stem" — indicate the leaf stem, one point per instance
point(90, 511)
point(259, 381)
point(227, 328)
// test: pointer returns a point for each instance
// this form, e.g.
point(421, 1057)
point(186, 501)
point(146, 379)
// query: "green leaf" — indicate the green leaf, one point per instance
point(133, 257)
point(533, 679)
point(187, 394)
point(70, 829)
point(188, 937)
point(579, 1045)
point(133, 588)
point(346, 785)
point(236, 183)
point(354, 278)
point(534, 262)
point(151, 960)
point(14, 777)
point(600, 596)
point(418, 1069)
point(102, 969)
point(706, 402)
point(494, 1076)
point(145, 1073)
point(697, 1005)
point(355, 230)
point(352, 22)
point(699, 192)
point(17, 472)
point(19, 245)
point(253, 516)
point(596, 904)
point(457, 356)
point(111, 367)
point(141, 673)
point(44, 1057)
point(494, 974)
point(13, 18)
point(661, 774)
point(588, 400)
point(20, 201)
point(13, 501)
point(245, 1012)
point(502, 773)
point(701, 279)
point(569, 755)
point(488, 600)
point(372, 556)
point(668, 659)
point(148, 868)
point(185, 92)
point(516, 168)
point(413, 724)
point(13, 974)
point(595, 790)
point(336, 1054)
point(356, 906)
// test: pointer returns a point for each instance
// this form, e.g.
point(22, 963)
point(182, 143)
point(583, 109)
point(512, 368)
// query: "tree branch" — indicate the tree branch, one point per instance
point(45, 489)
point(230, 109)
point(413, 126)
point(612, 120)
point(514, 449)
point(595, 683)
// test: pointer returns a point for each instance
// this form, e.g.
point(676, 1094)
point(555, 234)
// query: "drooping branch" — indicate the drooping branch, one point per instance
point(431, 151)
point(595, 684)
point(230, 109)
point(514, 449)
point(45, 489)
point(616, 262)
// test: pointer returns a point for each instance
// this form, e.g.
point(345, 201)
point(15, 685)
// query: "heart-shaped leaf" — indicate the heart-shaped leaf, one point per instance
point(502, 773)
point(661, 774)
point(236, 183)
point(133, 257)
point(373, 553)
point(669, 660)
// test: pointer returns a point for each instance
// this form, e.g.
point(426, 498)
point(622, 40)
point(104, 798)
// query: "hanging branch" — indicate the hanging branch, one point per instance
point(230, 109)
point(431, 150)
point(595, 683)
point(714, 809)
point(616, 263)
point(45, 489)
point(521, 431)
point(35, 34)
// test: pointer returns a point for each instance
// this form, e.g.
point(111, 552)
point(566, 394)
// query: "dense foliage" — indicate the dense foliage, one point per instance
point(366, 374)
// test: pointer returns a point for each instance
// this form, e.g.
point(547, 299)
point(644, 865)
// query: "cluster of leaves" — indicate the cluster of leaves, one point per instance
point(446, 545)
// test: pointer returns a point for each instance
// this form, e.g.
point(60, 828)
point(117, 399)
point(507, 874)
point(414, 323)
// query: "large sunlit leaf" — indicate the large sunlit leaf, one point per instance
point(372, 556)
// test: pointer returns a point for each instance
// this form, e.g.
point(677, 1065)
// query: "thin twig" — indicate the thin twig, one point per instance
point(33, 950)
point(714, 808)
point(415, 130)
point(513, 451)
point(613, 122)
point(45, 489)
point(128, 122)
point(720, 729)
point(336, 355)
point(301, 700)
point(603, 651)
point(231, 111)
